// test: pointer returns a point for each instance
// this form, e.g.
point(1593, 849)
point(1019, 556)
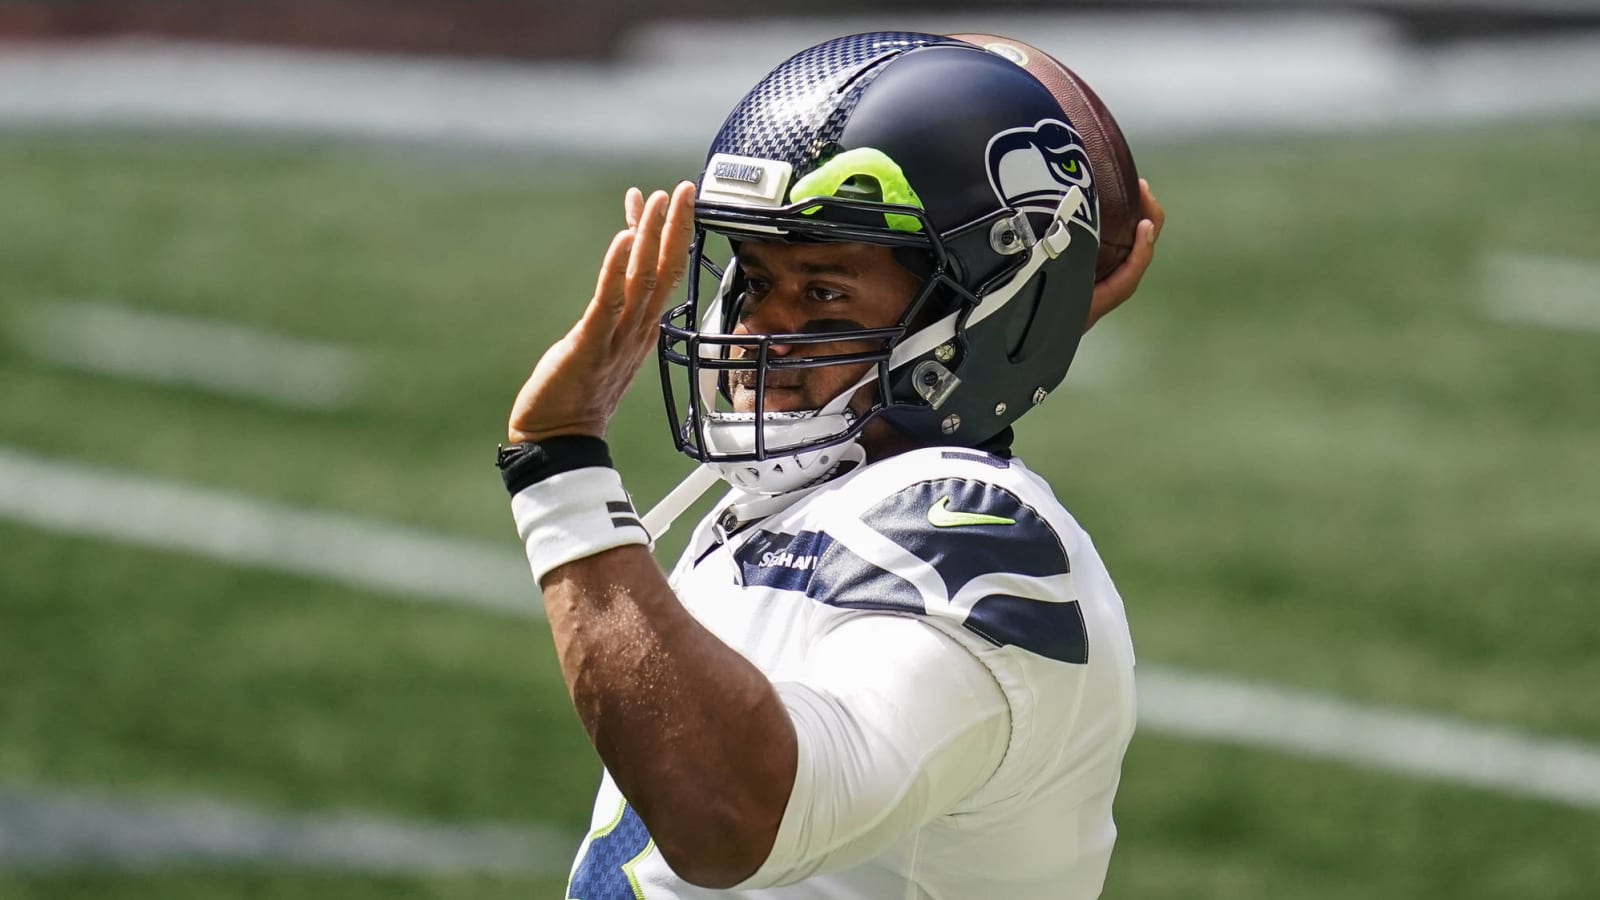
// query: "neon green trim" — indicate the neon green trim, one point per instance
point(627, 867)
point(862, 161)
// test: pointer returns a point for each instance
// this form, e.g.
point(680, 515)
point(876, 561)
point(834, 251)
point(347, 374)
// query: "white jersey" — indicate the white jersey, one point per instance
point(957, 664)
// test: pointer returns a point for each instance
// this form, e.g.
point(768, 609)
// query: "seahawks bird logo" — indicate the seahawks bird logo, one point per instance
point(1031, 169)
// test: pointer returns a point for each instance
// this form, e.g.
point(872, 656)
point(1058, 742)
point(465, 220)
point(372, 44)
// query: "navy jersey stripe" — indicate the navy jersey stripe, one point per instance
point(999, 533)
point(964, 530)
point(846, 580)
point(783, 561)
point(1053, 630)
point(988, 459)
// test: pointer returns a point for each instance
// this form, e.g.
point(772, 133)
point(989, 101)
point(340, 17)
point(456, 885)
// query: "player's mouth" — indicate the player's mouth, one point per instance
point(785, 395)
point(746, 380)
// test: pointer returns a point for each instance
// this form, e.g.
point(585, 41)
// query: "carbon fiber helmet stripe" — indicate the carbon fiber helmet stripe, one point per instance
point(799, 112)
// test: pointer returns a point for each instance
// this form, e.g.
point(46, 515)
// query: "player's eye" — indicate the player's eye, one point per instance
point(824, 295)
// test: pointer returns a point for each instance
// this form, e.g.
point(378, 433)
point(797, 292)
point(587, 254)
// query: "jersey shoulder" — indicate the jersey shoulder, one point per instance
point(955, 534)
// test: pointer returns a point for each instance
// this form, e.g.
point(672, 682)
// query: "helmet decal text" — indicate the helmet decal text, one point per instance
point(745, 181)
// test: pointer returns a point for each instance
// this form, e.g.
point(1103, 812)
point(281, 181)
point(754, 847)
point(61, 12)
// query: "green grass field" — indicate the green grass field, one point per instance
point(1308, 457)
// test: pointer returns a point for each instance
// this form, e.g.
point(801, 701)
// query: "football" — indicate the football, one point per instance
point(1116, 178)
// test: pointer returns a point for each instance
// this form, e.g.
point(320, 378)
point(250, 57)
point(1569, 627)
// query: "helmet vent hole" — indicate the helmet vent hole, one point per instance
point(861, 187)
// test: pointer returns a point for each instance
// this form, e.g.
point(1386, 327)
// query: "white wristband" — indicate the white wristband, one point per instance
point(573, 515)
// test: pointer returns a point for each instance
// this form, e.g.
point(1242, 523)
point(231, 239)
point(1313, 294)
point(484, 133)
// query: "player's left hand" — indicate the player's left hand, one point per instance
point(1111, 291)
point(577, 384)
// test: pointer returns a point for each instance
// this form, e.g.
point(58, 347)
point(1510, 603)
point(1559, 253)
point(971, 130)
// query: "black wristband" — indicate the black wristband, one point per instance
point(532, 462)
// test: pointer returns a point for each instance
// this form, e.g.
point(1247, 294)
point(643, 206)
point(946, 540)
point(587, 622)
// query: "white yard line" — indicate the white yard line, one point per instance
point(53, 829)
point(219, 357)
point(1557, 292)
point(213, 524)
point(1204, 708)
point(413, 564)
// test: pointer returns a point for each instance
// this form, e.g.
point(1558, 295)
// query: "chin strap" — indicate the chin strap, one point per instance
point(678, 500)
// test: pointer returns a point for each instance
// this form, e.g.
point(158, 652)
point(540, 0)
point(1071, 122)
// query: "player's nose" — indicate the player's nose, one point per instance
point(775, 314)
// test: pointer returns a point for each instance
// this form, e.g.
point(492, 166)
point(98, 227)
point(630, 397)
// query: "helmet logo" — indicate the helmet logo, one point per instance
point(1009, 51)
point(1031, 170)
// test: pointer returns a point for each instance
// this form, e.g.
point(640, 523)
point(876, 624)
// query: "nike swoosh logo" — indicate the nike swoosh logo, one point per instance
point(940, 515)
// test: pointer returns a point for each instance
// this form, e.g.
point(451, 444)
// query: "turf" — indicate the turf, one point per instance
point(1311, 460)
point(266, 885)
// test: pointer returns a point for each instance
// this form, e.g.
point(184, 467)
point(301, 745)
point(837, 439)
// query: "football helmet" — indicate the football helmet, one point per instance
point(952, 155)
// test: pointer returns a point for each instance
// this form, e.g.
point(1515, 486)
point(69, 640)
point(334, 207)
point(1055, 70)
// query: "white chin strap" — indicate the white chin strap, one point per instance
point(727, 433)
point(735, 433)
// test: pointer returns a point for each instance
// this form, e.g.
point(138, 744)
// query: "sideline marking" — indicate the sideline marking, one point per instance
point(214, 524)
point(84, 501)
point(1559, 292)
point(220, 357)
point(42, 829)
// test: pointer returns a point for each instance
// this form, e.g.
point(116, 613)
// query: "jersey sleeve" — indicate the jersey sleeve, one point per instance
point(896, 723)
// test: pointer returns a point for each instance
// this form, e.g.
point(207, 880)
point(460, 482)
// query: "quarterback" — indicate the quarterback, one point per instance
point(889, 663)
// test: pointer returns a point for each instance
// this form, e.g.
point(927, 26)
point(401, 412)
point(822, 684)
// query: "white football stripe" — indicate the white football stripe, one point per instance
point(217, 525)
point(85, 501)
point(53, 829)
point(1548, 291)
point(219, 357)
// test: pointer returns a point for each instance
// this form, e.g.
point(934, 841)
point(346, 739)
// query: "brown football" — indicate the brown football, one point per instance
point(1116, 178)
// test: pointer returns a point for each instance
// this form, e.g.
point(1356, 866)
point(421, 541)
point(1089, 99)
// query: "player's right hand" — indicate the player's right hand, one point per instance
point(576, 386)
point(1111, 291)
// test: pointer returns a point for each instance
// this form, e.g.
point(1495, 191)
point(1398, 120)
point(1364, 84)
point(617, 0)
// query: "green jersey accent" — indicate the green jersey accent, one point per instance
point(941, 516)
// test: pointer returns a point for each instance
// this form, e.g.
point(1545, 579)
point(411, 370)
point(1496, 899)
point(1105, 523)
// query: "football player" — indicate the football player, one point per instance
point(889, 663)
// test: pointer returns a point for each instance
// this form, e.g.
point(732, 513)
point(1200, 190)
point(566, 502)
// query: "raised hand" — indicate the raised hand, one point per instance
point(577, 384)
point(1117, 287)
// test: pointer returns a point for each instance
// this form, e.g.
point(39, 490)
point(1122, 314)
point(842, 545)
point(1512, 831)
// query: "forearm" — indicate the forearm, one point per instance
point(693, 734)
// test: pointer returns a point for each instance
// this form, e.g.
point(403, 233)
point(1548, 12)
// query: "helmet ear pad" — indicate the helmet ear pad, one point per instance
point(1008, 361)
point(730, 313)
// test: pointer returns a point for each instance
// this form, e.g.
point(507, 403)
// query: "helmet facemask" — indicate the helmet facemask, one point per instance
point(704, 360)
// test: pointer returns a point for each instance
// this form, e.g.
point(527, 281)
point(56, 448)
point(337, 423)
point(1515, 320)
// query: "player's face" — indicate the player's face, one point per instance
point(815, 289)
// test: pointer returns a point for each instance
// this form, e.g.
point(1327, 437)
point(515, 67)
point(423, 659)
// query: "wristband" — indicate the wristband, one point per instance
point(574, 514)
point(525, 464)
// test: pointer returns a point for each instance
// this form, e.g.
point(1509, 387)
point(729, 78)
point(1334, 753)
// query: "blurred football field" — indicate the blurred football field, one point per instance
point(1320, 450)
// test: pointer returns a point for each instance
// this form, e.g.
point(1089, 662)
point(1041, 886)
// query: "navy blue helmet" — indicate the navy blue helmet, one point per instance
point(960, 160)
